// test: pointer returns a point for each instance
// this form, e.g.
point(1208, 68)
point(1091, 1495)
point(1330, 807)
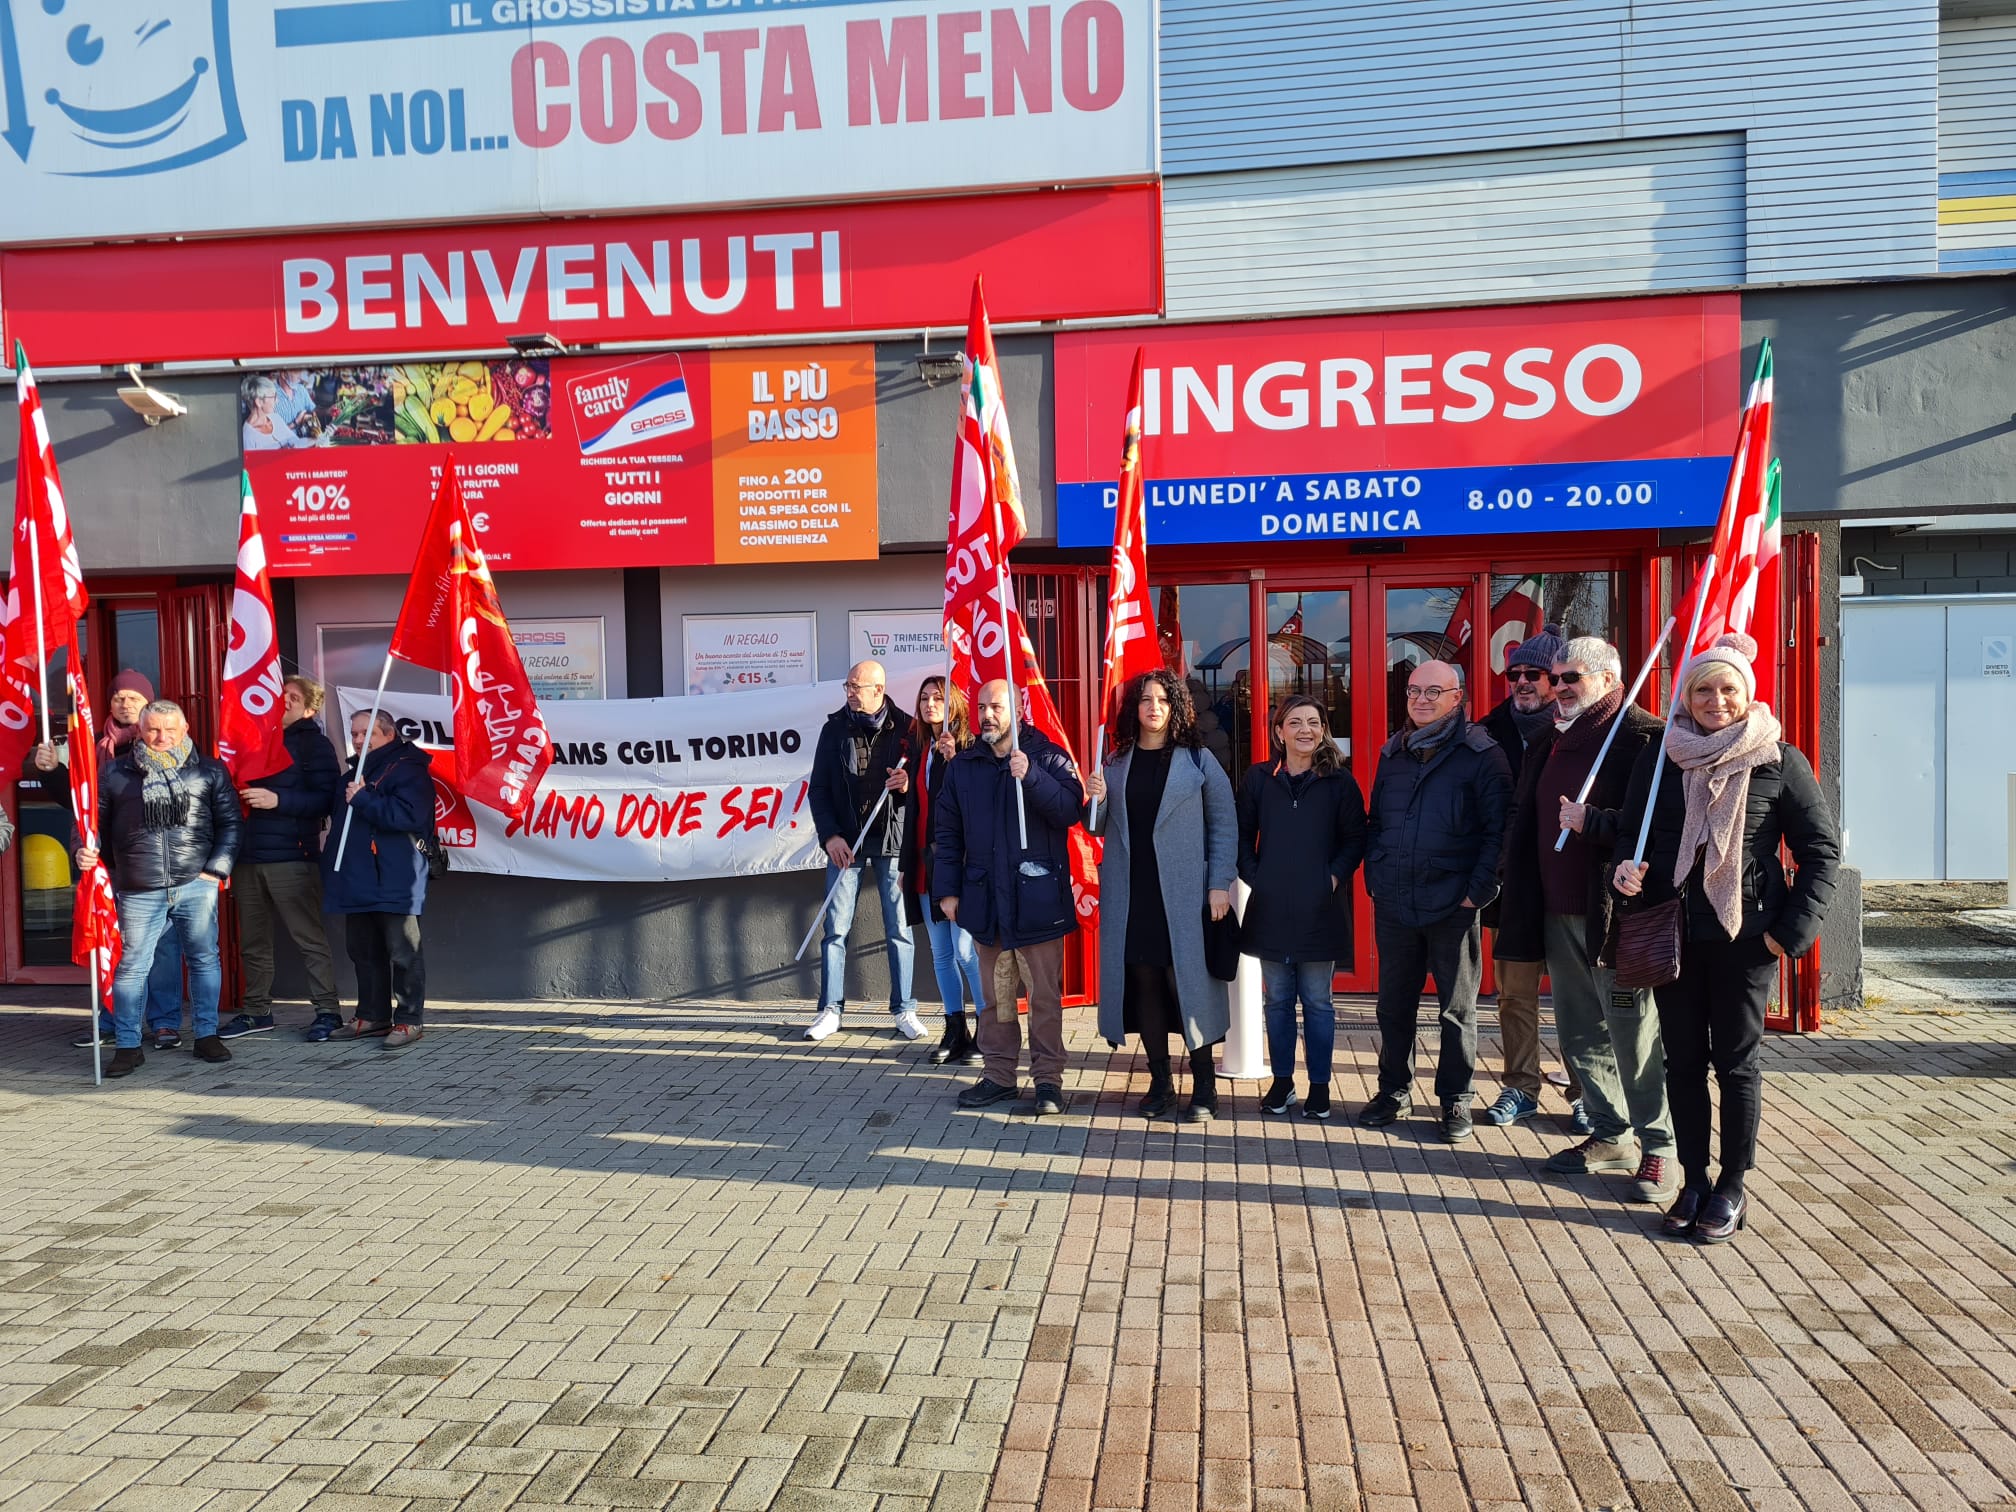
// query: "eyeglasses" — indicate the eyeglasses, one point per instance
point(1570, 677)
point(1424, 695)
point(1526, 674)
point(854, 687)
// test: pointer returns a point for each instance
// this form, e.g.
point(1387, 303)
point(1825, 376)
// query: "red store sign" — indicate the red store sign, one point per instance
point(1046, 255)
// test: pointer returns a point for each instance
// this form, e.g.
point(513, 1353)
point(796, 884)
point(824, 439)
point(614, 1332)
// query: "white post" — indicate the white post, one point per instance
point(834, 886)
point(1618, 723)
point(1243, 1057)
point(377, 701)
point(1673, 709)
point(2010, 863)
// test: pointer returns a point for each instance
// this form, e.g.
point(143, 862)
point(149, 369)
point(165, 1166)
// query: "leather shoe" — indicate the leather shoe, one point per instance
point(210, 1047)
point(1384, 1109)
point(125, 1062)
point(1685, 1213)
point(1161, 1094)
point(1721, 1218)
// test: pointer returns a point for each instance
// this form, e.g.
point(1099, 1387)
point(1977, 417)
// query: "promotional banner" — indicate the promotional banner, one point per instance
point(1053, 254)
point(674, 459)
point(743, 653)
point(1463, 422)
point(646, 789)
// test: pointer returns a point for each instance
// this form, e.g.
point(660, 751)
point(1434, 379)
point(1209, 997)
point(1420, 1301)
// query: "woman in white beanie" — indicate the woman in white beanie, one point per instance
point(1733, 790)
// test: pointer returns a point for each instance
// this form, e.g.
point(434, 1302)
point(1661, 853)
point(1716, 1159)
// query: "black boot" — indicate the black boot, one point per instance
point(1203, 1087)
point(1161, 1086)
point(951, 1042)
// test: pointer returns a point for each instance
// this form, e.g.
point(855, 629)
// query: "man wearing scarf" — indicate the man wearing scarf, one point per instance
point(865, 749)
point(131, 693)
point(169, 821)
point(1526, 714)
point(1557, 908)
point(1435, 826)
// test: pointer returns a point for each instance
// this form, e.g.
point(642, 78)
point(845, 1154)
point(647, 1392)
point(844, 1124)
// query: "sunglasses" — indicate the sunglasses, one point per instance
point(1527, 674)
point(1570, 677)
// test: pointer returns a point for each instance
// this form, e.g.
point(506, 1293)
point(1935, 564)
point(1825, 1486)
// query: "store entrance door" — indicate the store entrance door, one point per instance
point(173, 635)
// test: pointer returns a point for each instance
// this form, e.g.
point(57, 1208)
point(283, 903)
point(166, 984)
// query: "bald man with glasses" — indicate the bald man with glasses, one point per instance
point(1434, 829)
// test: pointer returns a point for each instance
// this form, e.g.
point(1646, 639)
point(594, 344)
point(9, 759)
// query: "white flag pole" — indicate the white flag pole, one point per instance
point(1673, 709)
point(1008, 650)
point(97, 1039)
point(1618, 723)
point(41, 648)
point(377, 702)
point(1098, 760)
point(834, 885)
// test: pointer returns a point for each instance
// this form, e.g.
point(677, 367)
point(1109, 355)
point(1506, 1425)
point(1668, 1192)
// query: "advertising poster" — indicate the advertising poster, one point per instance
point(562, 657)
point(896, 635)
point(1593, 416)
point(744, 653)
point(574, 462)
point(645, 789)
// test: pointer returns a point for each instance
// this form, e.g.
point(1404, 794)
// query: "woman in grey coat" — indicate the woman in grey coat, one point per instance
point(1172, 839)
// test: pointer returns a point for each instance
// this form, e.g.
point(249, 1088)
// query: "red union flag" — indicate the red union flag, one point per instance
point(451, 621)
point(1131, 646)
point(94, 925)
point(985, 521)
point(251, 727)
point(1744, 595)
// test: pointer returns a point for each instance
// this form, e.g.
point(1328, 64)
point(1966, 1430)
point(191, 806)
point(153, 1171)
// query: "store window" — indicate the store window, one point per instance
point(1423, 624)
point(1205, 630)
point(1309, 652)
point(352, 656)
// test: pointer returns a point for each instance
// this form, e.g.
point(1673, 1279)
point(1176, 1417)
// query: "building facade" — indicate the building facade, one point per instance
point(1479, 285)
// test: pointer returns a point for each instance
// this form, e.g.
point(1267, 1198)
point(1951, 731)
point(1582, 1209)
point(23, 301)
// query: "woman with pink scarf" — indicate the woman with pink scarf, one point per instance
point(1733, 790)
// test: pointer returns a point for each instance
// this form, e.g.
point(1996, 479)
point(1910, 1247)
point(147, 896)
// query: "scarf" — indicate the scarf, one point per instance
point(1587, 728)
point(1424, 741)
point(166, 799)
point(1715, 785)
point(115, 738)
point(1530, 725)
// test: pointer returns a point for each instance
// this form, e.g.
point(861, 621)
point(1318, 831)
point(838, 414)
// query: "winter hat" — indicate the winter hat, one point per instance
point(1735, 651)
point(130, 681)
point(1537, 652)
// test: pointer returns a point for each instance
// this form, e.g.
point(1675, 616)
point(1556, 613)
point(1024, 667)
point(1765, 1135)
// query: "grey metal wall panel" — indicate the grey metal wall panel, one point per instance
point(1628, 217)
point(1835, 100)
point(1977, 144)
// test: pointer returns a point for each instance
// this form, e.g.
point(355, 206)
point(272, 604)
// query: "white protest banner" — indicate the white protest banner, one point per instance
point(646, 789)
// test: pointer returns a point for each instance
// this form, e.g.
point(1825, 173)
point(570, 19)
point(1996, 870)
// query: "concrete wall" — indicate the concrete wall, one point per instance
point(1935, 563)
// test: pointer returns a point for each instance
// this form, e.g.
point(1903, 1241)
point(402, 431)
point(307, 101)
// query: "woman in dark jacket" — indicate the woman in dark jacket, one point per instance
point(1301, 837)
point(943, 731)
point(1171, 834)
point(1731, 792)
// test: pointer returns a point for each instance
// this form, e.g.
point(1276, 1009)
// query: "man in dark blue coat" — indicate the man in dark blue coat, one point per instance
point(381, 885)
point(279, 879)
point(1436, 826)
point(1010, 896)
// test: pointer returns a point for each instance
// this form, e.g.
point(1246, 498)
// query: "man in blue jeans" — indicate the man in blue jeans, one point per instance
point(169, 821)
point(865, 750)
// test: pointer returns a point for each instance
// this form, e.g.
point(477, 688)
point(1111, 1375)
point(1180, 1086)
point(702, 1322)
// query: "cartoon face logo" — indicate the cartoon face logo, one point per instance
point(107, 88)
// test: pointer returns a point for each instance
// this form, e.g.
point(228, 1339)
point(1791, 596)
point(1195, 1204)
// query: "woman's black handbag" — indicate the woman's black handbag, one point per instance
point(1221, 944)
point(1648, 944)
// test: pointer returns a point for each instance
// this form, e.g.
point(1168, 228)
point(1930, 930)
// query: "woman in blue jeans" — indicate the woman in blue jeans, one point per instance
point(1301, 836)
point(944, 731)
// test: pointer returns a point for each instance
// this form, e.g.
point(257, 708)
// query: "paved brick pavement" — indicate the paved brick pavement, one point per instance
point(671, 1257)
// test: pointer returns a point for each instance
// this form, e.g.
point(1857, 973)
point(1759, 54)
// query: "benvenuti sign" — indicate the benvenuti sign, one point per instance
point(205, 116)
point(1614, 415)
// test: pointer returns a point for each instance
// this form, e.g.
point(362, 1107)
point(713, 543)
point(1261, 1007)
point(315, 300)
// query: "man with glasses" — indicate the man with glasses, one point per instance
point(1440, 801)
point(1526, 714)
point(1558, 906)
point(864, 750)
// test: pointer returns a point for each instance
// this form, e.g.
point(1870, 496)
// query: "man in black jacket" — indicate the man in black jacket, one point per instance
point(279, 877)
point(1435, 827)
point(864, 750)
point(1010, 896)
point(1557, 908)
point(169, 823)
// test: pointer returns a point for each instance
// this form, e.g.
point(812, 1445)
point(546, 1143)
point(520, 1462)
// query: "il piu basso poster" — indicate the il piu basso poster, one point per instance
point(672, 459)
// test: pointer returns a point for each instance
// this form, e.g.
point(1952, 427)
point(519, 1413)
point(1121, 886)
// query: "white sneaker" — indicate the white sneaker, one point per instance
point(908, 1026)
point(825, 1024)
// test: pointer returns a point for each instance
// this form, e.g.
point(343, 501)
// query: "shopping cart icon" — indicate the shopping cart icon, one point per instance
point(878, 642)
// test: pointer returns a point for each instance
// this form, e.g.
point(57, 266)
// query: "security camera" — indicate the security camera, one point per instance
point(149, 403)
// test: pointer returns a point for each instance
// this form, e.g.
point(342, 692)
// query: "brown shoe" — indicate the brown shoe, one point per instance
point(399, 1036)
point(364, 1029)
point(1657, 1179)
point(125, 1062)
point(211, 1048)
point(1594, 1156)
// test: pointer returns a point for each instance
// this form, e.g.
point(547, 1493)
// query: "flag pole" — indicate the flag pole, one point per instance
point(1618, 723)
point(834, 885)
point(1673, 709)
point(377, 702)
point(97, 1039)
point(1008, 659)
point(41, 648)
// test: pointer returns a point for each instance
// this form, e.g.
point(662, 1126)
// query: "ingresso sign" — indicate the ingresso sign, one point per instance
point(211, 116)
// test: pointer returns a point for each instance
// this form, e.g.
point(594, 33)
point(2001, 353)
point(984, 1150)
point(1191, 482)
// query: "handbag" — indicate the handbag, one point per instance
point(1648, 944)
point(1222, 940)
